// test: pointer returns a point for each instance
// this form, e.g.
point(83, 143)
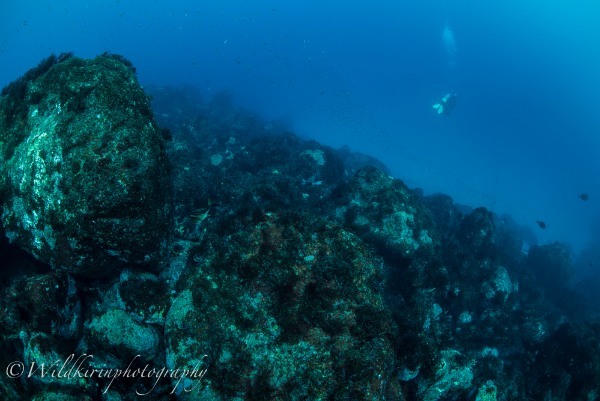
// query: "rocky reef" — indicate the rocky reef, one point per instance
point(222, 257)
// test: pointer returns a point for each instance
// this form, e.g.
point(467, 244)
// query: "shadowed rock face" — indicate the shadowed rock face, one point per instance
point(84, 179)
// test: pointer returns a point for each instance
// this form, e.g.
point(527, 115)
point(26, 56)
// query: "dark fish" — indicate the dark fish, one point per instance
point(541, 224)
point(584, 197)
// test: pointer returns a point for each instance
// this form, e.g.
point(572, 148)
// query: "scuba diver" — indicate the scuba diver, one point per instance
point(447, 103)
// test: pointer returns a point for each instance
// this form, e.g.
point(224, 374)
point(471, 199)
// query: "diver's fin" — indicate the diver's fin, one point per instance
point(437, 105)
point(440, 109)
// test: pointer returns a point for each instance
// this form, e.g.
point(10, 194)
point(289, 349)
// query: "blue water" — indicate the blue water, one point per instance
point(523, 138)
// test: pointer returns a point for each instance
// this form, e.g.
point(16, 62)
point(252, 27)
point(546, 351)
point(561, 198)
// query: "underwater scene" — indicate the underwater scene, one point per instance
point(256, 200)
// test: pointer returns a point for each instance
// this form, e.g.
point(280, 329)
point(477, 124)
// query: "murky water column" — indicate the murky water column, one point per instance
point(449, 44)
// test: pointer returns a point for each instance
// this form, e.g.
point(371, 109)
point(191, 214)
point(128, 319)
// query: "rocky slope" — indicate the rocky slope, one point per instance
point(295, 271)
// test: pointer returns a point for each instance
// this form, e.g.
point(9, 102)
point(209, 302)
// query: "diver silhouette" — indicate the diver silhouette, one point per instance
point(447, 103)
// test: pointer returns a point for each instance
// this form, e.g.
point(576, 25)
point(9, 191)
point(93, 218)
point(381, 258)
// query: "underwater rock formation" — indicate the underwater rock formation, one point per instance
point(84, 179)
point(290, 304)
point(297, 272)
point(386, 213)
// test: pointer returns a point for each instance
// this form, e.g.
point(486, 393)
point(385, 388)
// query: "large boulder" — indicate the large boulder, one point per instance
point(84, 179)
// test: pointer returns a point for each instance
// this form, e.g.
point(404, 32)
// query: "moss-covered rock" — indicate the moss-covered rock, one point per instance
point(117, 332)
point(388, 214)
point(289, 307)
point(59, 396)
point(84, 177)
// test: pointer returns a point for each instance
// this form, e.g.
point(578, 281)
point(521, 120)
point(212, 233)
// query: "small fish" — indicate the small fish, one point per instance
point(583, 196)
point(541, 224)
point(199, 215)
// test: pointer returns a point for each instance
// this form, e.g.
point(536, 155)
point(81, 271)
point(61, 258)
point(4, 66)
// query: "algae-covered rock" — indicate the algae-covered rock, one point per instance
point(84, 180)
point(58, 396)
point(52, 304)
point(116, 331)
point(43, 362)
point(476, 232)
point(289, 308)
point(487, 392)
point(453, 376)
point(387, 213)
